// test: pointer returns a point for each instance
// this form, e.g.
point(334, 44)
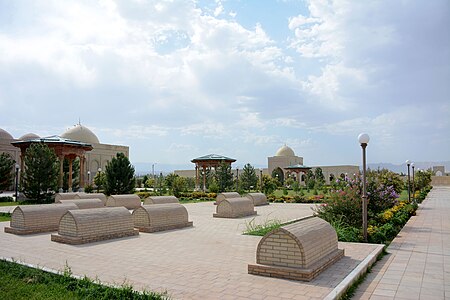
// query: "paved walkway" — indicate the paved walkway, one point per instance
point(418, 263)
point(208, 261)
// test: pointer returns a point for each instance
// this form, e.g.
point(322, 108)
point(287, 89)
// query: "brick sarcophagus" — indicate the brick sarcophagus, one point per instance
point(64, 196)
point(222, 196)
point(235, 208)
point(160, 217)
point(96, 224)
point(298, 251)
point(258, 199)
point(85, 203)
point(100, 196)
point(160, 200)
point(30, 219)
point(130, 201)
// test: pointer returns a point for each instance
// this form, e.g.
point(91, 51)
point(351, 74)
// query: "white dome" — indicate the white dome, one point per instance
point(285, 151)
point(4, 135)
point(29, 136)
point(81, 133)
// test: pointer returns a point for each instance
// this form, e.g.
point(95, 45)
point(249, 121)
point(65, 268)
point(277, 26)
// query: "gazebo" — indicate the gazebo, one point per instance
point(297, 169)
point(208, 162)
point(64, 148)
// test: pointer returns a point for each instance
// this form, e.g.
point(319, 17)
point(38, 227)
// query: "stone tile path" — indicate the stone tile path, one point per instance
point(418, 263)
point(208, 261)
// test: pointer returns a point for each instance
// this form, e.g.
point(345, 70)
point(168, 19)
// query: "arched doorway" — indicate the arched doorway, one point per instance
point(278, 174)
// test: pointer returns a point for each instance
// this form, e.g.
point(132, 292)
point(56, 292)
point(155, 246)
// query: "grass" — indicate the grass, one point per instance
point(5, 217)
point(22, 282)
point(262, 229)
point(9, 203)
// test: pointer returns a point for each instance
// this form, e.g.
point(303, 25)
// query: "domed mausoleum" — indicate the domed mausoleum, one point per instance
point(94, 160)
point(81, 133)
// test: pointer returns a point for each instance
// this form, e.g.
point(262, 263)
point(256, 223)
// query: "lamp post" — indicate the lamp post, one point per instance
point(363, 139)
point(17, 181)
point(413, 185)
point(237, 180)
point(89, 177)
point(408, 163)
point(260, 180)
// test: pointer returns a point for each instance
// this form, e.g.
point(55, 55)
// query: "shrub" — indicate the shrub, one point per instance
point(6, 199)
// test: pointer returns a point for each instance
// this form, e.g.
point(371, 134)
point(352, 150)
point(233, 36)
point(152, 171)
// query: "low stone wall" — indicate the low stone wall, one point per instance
point(130, 201)
point(160, 217)
point(96, 224)
point(160, 200)
point(298, 251)
point(28, 219)
point(85, 203)
point(440, 180)
point(222, 196)
point(258, 199)
point(235, 208)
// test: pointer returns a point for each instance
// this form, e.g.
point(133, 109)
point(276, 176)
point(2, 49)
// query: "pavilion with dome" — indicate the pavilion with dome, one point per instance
point(78, 142)
point(286, 164)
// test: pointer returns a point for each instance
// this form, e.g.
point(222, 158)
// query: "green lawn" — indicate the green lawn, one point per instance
point(21, 282)
point(8, 203)
point(5, 217)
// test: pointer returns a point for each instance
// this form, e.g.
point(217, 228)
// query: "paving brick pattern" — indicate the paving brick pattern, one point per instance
point(418, 263)
point(208, 261)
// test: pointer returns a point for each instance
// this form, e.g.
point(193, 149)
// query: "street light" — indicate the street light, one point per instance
point(89, 177)
point(237, 180)
point(408, 163)
point(260, 179)
point(363, 139)
point(413, 185)
point(17, 167)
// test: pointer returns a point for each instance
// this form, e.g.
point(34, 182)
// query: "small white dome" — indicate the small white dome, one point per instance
point(29, 136)
point(285, 151)
point(4, 135)
point(81, 133)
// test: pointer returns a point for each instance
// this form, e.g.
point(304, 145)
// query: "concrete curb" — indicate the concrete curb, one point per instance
point(351, 278)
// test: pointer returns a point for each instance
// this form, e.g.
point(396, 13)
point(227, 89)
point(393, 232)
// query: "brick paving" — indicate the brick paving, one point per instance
point(418, 263)
point(206, 261)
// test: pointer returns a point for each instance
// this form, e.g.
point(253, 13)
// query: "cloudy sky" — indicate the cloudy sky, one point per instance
point(175, 80)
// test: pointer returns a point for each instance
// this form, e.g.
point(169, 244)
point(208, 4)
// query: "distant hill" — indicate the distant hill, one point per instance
point(402, 168)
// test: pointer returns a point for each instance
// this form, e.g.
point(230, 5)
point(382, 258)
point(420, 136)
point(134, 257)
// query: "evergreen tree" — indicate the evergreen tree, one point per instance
point(100, 180)
point(40, 177)
point(6, 171)
point(320, 179)
point(224, 177)
point(270, 184)
point(310, 181)
point(119, 176)
point(248, 177)
point(179, 185)
point(144, 180)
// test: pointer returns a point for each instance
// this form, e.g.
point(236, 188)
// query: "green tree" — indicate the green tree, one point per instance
point(119, 176)
point(75, 174)
point(422, 179)
point(386, 178)
point(40, 177)
point(270, 184)
point(248, 177)
point(169, 179)
point(151, 182)
point(179, 185)
point(144, 180)
point(296, 187)
point(6, 171)
point(100, 180)
point(319, 178)
point(224, 177)
point(310, 180)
